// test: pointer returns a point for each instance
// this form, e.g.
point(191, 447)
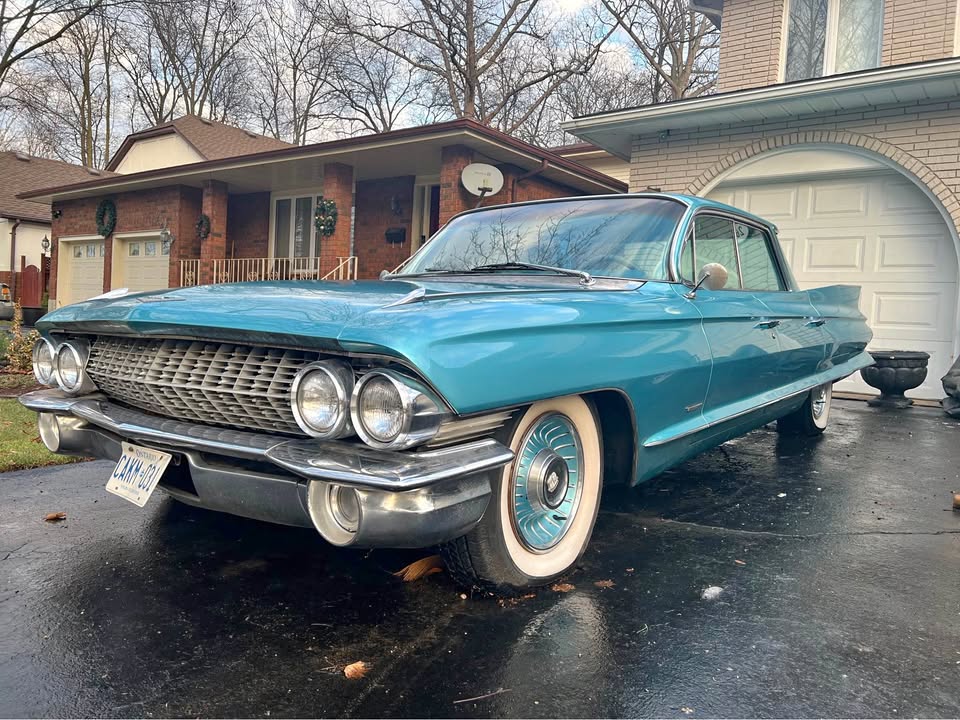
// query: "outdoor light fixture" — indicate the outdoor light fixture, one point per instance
point(45, 244)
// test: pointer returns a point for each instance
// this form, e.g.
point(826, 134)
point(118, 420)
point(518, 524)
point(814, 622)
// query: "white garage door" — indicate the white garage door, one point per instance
point(877, 231)
point(146, 264)
point(82, 263)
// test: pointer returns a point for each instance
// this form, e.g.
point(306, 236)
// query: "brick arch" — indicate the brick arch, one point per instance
point(864, 144)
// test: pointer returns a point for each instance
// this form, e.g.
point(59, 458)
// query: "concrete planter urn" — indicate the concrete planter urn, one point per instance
point(951, 386)
point(895, 372)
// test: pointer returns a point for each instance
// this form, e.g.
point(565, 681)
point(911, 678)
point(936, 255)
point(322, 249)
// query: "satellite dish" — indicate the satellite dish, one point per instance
point(481, 179)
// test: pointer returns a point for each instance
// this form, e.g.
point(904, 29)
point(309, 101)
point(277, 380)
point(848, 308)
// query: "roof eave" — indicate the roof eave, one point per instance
point(454, 128)
point(613, 131)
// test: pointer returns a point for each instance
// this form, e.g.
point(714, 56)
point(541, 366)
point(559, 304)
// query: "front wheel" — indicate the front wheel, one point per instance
point(544, 503)
point(811, 418)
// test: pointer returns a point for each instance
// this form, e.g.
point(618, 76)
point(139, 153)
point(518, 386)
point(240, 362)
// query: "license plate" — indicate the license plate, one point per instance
point(137, 473)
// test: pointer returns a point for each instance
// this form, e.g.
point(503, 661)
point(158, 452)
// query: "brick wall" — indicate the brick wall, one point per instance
point(750, 43)
point(140, 210)
point(248, 225)
point(337, 186)
point(454, 198)
point(922, 137)
point(374, 215)
point(752, 37)
point(214, 246)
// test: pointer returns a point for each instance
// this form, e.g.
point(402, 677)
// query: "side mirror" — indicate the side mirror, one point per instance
point(713, 276)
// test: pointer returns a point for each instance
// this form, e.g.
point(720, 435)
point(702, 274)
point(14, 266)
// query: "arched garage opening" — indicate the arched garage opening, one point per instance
point(851, 217)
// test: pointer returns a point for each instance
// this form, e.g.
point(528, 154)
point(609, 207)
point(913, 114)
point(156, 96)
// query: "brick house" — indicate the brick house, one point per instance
point(392, 191)
point(839, 120)
point(25, 223)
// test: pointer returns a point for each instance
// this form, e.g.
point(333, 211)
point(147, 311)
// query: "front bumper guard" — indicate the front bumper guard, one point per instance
point(406, 499)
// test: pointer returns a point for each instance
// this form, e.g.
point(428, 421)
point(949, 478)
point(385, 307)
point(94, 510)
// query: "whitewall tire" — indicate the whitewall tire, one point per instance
point(543, 504)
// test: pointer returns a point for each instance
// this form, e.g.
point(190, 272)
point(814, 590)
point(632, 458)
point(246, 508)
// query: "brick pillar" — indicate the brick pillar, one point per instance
point(214, 246)
point(337, 186)
point(54, 257)
point(453, 197)
point(107, 263)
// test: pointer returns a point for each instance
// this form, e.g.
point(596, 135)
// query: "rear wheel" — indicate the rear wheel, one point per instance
point(811, 418)
point(544, 503)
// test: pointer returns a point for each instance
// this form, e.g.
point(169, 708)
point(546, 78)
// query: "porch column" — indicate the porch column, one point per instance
point(453, 197)
point(214, 246)
point(337, 186)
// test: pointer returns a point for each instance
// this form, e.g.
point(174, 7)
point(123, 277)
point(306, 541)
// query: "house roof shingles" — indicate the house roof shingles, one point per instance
point(212, 140)
point(21, 173)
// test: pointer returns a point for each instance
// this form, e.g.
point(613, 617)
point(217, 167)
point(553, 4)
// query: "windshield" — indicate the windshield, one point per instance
point(609, 237)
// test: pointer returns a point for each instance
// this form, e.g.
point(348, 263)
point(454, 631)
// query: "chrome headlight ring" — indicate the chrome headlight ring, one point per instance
point(422, 412)
point(44, 361)
point(69, 367)
point(338, 375)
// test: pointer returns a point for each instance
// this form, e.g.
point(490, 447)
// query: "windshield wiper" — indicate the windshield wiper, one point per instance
point(585, 277)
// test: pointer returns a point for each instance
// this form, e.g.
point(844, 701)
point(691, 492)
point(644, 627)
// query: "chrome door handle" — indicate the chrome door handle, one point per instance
point(767, 324)
point(815, 322)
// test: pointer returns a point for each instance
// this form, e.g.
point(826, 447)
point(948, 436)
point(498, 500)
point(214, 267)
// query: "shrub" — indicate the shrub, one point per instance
point(19, 352)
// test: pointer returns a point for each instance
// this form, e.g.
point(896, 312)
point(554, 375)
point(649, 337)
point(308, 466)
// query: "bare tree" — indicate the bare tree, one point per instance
point(200, 40)
point(154, 91)
point(374, 88)
point(483, 53)
point(26, 26)
point(678, 44)
point(293, 52)
point(72, 97)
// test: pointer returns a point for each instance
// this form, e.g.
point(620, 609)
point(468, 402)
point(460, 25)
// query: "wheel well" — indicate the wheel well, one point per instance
point(618, 430)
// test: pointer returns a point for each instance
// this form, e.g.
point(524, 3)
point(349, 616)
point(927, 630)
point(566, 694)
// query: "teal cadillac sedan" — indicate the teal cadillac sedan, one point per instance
point(477, 399)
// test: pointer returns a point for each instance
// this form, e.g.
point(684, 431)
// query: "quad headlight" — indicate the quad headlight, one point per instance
point(394, 412)
point(69, 365)
point(44, 355)
point(321, 399)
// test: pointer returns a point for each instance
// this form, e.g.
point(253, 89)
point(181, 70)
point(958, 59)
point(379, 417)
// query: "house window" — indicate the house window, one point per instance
point(293, 231)
point(826, 37)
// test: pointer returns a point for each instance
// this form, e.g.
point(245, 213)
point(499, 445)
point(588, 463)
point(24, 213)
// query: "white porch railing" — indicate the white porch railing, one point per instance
point(263, 269)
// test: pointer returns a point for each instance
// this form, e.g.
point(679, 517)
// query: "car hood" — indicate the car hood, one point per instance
point(462, 336)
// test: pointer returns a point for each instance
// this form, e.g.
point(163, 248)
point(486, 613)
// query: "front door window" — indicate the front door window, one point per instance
point(294, 235)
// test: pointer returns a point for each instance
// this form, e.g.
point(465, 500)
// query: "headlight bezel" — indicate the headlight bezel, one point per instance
point(80, 350)
point(342, 376)
point(423, 412)
point(50, 379)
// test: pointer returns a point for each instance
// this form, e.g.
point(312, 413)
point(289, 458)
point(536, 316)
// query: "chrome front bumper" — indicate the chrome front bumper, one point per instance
point(406, 499)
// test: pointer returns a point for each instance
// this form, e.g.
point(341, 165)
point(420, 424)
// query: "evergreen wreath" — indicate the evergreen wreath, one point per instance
point(106, 217)
point(203, 226)
point(325, 217)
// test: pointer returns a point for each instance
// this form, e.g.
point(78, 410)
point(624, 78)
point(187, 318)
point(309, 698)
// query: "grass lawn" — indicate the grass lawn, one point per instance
point(20, 445)
point(11, 382)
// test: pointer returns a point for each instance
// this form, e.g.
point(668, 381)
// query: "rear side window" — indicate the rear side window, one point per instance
point(757, 264)
point(745, 251)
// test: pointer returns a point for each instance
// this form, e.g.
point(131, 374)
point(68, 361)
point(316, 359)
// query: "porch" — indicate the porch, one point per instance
point(263, 269)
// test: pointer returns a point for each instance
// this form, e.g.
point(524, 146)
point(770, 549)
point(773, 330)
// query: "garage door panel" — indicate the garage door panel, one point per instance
point(838, 199)
point(146, 264)
point(774, 204)
point(926, 251)
point(83, 276)
point(900, 197)
point(908, 312)
point(842, 254)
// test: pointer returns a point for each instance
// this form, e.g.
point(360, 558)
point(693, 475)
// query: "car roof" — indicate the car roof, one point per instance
point(691, 201)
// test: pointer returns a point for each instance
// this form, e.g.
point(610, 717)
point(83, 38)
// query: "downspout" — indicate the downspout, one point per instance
point(544, 164)
point(13, 259)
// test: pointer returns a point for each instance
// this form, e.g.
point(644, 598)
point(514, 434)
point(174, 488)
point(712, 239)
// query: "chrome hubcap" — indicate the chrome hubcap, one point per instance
point(819, 401)
point(546, 482)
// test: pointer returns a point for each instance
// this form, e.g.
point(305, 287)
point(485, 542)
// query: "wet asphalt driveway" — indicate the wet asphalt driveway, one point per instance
point(841, 597)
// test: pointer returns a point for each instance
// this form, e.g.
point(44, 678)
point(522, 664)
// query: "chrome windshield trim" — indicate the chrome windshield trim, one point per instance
point(346, 463)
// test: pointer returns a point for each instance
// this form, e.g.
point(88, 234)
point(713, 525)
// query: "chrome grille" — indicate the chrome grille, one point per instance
point(243, 386)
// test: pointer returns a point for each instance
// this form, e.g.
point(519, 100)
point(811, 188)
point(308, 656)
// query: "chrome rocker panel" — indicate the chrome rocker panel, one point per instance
point(407, 500)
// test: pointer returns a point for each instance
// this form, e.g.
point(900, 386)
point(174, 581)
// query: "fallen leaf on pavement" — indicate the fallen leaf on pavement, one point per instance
point(629, 569)
point(686, 710)
point(510, 602)
point(420, 569)
point(355, 671)
point(739, 562)
point(55, 517)
point(563, 587)
point(604, 583)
